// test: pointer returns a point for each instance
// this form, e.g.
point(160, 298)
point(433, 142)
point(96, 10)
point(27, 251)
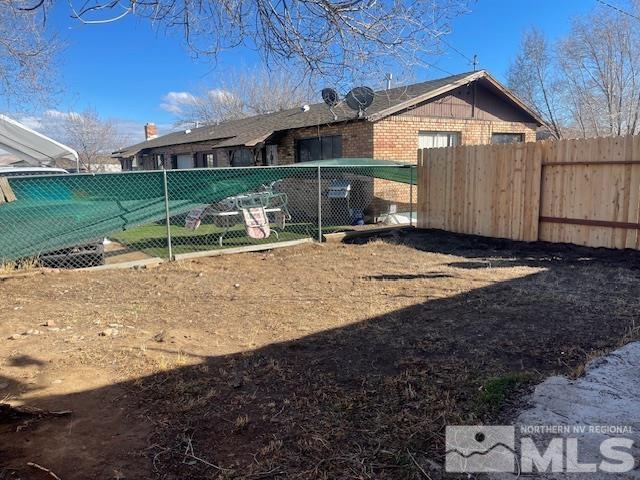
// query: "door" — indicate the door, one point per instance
point(272, 154)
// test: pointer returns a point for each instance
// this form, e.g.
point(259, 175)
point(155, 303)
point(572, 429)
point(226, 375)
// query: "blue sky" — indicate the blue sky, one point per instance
point(125, 69)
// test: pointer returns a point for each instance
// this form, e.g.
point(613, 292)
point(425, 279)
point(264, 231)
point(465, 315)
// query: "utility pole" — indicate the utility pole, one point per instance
point(475, 61)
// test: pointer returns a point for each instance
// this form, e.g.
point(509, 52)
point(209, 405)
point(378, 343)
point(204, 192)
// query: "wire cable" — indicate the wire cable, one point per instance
point(617, 9)
point(441, 39)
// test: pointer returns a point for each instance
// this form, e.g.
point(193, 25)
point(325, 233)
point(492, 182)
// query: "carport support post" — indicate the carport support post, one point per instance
point(319, 205)
point(166, 212)
point(410, 195)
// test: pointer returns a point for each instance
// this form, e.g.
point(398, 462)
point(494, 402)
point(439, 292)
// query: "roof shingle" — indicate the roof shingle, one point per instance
point(252, 130)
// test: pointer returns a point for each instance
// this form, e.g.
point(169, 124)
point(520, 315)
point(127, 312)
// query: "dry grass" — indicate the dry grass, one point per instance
point(23, 266)
point(334, 361)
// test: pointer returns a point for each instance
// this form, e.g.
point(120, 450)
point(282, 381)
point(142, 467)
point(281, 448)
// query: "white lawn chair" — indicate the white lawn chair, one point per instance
point(252, 209)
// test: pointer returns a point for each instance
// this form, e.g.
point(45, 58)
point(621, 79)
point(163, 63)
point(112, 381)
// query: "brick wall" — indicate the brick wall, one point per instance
point(396, 137)
point(357, 139)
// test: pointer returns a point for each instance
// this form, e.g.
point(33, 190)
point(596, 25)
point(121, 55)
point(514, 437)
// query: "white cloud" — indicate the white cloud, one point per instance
point(47, 123)
point(175, 102)
point(53, 114)
point(31, 121)
point(222, 95)
point(51, 123)
point(179, 103)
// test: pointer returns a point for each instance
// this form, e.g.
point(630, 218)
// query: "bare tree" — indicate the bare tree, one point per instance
point(589, 83)
point(93, 137)
point(240, 94)
point(323, 37)
point(532, 76)
point(601, 64)
point(26, 55)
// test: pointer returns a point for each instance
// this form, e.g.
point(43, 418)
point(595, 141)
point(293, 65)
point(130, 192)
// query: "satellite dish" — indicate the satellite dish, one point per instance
point(359, 98)
point(330, 97)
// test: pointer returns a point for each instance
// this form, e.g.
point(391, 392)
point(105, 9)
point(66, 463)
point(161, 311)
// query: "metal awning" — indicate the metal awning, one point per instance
point(31, 146)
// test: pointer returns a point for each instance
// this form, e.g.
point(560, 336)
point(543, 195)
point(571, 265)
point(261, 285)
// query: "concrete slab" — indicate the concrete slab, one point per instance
point(607, 395)
point(245, 249)
point(144, 263)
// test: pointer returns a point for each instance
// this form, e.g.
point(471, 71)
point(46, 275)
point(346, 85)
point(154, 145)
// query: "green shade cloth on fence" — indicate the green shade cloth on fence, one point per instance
point(58, 211)
point(402, 173)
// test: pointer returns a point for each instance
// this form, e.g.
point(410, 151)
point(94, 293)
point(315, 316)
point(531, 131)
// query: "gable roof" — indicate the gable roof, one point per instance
point(253, 130)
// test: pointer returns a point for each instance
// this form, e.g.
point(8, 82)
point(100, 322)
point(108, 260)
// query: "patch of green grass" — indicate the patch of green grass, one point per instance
point(496, 390)
point(152, 239)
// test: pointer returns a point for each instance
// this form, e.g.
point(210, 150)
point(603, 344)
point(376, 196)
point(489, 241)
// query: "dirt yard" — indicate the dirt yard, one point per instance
point(316, 362)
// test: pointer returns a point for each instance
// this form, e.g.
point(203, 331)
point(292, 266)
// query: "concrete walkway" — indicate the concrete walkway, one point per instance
point(607, 395)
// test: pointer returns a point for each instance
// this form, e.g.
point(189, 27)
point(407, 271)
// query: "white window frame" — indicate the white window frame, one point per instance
point(437, 139)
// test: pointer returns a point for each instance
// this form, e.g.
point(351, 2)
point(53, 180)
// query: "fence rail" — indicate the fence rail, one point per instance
point(583, 191)
point(86, 220)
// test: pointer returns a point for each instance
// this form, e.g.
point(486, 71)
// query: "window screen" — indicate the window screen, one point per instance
point(438, 139)
point(507, 137)
point(319, 148)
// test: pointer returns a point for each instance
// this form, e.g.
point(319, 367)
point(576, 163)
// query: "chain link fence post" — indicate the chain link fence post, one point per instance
point(319, 205)
point(166, 212)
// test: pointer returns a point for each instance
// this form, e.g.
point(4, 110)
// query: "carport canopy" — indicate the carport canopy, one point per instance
point(31, 146)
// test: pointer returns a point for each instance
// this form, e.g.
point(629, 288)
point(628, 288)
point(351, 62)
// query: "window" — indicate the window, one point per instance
point(507, 137)
point(438, 139)
point(185, 161)
point(209, 160)
point(319, 148)
point(242, 157)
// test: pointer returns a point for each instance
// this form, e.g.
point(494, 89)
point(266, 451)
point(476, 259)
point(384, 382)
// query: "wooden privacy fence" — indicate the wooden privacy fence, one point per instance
point(583, 191)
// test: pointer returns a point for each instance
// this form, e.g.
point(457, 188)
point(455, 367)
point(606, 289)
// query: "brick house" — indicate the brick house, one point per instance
point(469, 108)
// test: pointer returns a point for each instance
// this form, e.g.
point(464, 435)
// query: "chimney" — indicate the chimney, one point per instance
point(150, 131)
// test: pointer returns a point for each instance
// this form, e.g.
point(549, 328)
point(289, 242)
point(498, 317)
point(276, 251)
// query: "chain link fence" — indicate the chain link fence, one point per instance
point(77, 221)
